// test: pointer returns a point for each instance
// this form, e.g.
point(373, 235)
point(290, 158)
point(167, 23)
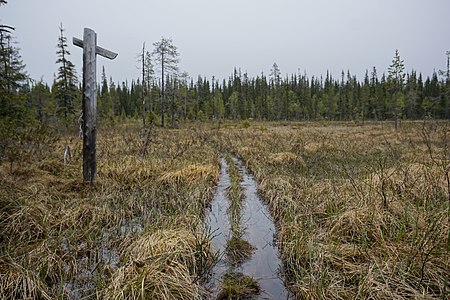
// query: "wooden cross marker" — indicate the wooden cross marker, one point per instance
point(89, 126)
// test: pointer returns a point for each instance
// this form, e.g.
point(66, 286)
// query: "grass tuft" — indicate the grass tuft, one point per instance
point(285, 158)
point(238, 286)
point(160, 265)
point(191, 173)
point(238, 250)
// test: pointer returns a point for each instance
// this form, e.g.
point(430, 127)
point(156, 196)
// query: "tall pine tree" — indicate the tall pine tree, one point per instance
point(167, 57)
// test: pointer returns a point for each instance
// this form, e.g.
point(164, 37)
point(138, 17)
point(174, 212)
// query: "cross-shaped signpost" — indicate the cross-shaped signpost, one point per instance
point(89, 126)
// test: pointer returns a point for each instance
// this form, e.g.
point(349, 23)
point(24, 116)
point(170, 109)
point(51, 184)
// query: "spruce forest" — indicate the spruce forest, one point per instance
point(379, 96)
point(248, 187)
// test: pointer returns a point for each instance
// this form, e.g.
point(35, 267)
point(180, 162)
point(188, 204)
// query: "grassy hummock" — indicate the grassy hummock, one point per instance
point(361, 211)
point(238, 286)
point(132, 234)
point(238, 250)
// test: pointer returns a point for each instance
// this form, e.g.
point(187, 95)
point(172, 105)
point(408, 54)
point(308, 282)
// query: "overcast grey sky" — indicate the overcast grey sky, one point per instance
point(215, 36)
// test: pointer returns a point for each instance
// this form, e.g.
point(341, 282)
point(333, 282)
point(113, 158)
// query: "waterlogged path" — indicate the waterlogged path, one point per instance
point(259, 231)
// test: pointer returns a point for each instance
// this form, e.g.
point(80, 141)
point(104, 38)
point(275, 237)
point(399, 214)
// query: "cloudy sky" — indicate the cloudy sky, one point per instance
point(214, 36)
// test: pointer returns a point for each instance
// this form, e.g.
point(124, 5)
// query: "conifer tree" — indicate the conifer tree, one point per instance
point(41, 101)
point(14, 115)
point(445, 93)
point(365, 97)
point(447, 85)
point(396, 78)
point(105, 105)
point(12, 78)
point(411, 96)
point(184, 92)
point(374, 110)
point(114, 98)
point(12, 68)
point(275, 80)
point(66, 91)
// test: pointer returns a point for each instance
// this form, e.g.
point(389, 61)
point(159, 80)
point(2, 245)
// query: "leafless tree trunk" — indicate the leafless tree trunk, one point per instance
point(143, 85)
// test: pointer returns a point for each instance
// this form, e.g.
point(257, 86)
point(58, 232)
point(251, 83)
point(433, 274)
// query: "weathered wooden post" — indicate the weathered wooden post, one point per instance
point(90, 51)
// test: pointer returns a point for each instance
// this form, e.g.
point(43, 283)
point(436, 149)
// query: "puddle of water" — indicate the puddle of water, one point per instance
point(82, 285)
point(218, 226)
point(131, 226)
point(264, 264)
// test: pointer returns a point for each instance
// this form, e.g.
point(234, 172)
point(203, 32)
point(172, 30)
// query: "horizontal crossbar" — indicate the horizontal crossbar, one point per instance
point(98, 50)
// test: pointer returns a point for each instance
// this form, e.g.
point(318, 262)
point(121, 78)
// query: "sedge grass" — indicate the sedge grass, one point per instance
point(160, 264)
point(62, 238)
point(361, 212)
point(238, 250)
point(238, 286)
point(365, 212)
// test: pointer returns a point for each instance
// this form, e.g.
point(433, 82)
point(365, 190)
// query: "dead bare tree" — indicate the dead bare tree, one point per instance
point(166, 54)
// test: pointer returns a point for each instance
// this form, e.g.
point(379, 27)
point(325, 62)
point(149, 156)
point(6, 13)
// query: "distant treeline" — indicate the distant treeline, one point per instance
point(395, 94)
point(296, 97)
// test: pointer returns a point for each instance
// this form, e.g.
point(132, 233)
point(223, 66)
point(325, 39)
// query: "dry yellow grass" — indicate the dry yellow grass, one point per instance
point(366, 213)
point(361, 212)
point(285, 158)
point(191, 173)
point(161, 264)
point(62, 238)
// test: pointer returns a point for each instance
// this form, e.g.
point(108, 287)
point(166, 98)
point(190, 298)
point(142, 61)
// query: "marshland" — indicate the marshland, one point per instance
point(359, 211)
point(269, 171)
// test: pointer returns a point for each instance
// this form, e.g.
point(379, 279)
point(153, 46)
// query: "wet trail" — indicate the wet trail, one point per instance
point(218, 225)
point(259, 230)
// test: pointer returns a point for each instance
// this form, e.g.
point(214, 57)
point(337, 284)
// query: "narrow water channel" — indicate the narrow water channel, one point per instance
point(218, 225)
point(259, 230)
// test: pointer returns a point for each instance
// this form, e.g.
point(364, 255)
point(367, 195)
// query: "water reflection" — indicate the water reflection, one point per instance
point(259, 231)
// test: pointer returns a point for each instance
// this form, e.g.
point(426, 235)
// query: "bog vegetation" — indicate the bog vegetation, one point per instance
point(361, 205)
point(360, 210)
point(133, 234)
